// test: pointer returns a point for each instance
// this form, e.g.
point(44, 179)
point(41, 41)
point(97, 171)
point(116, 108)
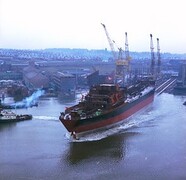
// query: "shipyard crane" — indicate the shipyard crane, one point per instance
point(159, 56)
point(120, 52)
point(118, 71)
point(126, 48)
point(126, 51)
point(127, 56)
point(122, 64)
point(110, 42)
point(121, 67)
point(152, 55)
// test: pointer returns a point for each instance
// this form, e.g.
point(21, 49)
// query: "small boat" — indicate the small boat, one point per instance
point(9, 116)
point(106, 105)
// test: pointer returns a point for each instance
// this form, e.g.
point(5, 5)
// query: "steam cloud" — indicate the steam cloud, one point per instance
point(29, 101)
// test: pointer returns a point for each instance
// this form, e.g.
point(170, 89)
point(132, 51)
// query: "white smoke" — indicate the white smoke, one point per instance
point(29, 101)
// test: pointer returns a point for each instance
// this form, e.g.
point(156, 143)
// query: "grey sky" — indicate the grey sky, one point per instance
point(42, 24)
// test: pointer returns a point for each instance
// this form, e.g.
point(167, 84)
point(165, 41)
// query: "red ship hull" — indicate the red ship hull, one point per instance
point(114, 116)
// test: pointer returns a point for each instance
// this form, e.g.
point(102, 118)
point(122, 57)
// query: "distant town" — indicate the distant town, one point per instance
point(60, 72)
point(76, 54)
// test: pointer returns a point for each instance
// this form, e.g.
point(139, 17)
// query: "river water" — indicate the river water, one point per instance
point(150, 146)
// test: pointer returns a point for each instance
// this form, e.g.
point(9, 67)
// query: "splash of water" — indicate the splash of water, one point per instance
point(29, 101)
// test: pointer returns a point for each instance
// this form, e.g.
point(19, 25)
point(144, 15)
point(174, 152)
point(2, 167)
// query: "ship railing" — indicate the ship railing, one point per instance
point(133, 98)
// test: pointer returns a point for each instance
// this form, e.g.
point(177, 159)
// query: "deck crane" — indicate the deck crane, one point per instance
point(159, 56)
point(152, 55)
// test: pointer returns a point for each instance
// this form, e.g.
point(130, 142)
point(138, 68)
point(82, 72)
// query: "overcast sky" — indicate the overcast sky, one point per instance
point(39, 24)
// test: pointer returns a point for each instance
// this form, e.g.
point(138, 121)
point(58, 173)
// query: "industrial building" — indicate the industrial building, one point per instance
point(65, 84)
point(181, 81)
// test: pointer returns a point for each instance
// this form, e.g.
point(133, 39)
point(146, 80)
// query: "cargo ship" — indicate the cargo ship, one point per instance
point(106, 105)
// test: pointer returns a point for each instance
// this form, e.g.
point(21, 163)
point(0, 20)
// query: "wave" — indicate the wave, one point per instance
point(142, 119)
point(46, 117)
point(104, 133)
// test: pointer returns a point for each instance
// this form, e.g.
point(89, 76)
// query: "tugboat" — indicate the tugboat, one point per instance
point(106, 105)
point(9, 116)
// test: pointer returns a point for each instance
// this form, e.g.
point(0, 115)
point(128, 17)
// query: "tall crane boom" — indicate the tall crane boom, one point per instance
point(110, 42)
point(127, 56)
point(126, 47)
point(158, 55)
point(152, 55)
point(122, 64)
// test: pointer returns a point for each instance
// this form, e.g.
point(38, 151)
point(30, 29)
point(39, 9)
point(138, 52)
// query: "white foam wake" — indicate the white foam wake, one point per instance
point(101, 134)
point(142, 119)
point(46, 117)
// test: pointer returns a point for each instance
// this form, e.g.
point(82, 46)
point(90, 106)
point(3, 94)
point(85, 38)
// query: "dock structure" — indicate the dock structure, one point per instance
point(166, 86)
point(180, 88)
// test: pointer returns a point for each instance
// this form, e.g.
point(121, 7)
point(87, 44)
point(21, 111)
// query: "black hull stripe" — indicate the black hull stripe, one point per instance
point(119, 114)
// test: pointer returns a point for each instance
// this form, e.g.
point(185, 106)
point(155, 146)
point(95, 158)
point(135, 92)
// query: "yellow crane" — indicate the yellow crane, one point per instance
point(122, 64)
point(110, 42)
